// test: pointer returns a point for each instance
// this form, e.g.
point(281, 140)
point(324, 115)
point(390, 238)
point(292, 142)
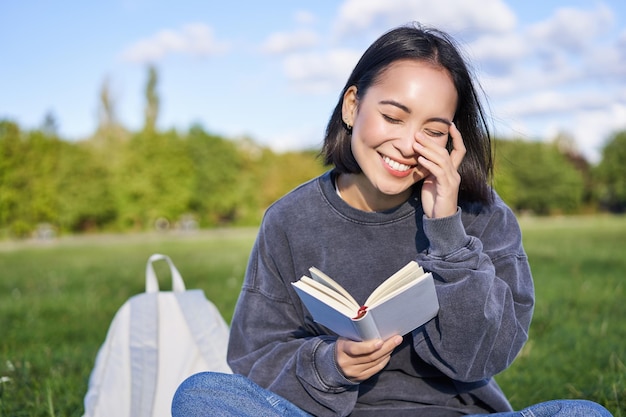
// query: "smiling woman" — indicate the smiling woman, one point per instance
point(396, 124)
point(410, 182)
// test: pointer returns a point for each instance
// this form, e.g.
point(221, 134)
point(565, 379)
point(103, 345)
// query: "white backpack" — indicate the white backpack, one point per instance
point(155, 341)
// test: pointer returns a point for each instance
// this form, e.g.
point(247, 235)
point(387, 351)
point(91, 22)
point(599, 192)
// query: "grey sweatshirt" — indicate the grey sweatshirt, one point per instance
point(443, 368)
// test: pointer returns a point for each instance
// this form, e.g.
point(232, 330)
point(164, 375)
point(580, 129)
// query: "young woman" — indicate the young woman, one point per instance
point(411, 181)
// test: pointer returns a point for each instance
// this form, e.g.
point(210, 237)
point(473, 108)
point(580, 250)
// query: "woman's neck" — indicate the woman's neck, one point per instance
point(357, 191)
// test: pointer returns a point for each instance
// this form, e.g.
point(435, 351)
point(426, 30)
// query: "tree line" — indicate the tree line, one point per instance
point(118, 180)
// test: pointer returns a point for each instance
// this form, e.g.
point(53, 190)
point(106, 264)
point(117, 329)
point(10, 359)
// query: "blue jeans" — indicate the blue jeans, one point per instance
point(224, 395)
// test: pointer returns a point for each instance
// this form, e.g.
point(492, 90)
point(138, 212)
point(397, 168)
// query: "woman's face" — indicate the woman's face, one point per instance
point(409, 99)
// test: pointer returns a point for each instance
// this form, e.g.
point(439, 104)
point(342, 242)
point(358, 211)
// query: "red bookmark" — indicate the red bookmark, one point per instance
point(361, 312)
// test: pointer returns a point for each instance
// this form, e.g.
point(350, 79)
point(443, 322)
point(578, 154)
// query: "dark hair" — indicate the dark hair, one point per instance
point(426, 44)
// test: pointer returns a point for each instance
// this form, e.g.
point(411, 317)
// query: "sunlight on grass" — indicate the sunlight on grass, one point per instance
point(577, 336)
point(58, 299)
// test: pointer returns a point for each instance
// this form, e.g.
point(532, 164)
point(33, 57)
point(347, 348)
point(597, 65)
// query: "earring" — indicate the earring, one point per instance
point(348, 126)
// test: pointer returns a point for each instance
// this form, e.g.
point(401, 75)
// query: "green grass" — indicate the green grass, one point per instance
point(577, 346)
point(58, 299)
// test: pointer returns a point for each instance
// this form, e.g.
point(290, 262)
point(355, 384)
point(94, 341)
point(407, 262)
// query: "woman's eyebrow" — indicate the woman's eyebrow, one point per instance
point(396, 104)
point(440, 120)
point(408, 111)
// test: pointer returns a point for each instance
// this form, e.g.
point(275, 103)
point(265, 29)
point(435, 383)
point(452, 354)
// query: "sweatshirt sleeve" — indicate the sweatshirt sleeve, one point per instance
point(485, 291)
point(270, 342)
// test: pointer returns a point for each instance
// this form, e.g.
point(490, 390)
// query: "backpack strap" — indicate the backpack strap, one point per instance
point(144, 355)
point(144, 338)
point(210, 340)
point(152, 284)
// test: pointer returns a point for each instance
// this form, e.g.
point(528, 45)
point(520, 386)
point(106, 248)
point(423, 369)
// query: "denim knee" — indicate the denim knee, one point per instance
point(202, 392)
point(566, 408)
point(211, 393)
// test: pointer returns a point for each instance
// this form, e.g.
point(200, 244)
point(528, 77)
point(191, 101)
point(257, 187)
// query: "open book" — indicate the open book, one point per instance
point(403, 302)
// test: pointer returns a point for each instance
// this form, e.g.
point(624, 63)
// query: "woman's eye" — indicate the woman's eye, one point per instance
point(391, 119)
point(435, 133)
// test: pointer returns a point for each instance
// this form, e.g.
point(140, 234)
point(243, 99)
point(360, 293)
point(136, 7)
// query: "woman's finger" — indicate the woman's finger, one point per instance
point(458, 146)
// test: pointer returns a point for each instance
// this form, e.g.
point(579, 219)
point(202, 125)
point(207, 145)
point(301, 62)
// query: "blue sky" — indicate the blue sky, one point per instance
point(273, 70)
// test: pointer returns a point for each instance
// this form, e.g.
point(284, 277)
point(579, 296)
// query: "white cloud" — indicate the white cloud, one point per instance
point(621, 40)
point(526, 77)
point(498, 52)
point(356, 16)
point(563, 74)
point(564, 52)
point(590, 116)
point(572, 29)
point(554, 102)
point(304, 17)
point(296, 139)
point(320, 72)
point(592, 129)
point(285, 42)
point(192, 39)
point(606, 62)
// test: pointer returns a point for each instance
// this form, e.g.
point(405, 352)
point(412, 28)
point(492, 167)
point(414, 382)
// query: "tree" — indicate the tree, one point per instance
point(283, 172)
point(216, 191)
point(85, 199)
point(11, 151)
point(106, 113)
point(611, 172)
point(537, 177)
point(28, 188)
point(566, 144)
point(50, 126)
point(153, 180)
point(152, 101)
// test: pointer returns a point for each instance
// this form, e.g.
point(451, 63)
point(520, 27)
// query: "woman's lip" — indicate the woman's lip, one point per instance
point(395, 168)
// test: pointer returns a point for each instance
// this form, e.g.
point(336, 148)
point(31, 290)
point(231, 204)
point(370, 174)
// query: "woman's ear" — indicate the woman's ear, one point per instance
point(349, 105)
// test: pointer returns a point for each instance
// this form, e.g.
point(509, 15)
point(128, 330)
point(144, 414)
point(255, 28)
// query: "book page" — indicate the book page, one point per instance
point(383, 297)
point(322, 278)
point(407, 309)
point(327, 295)
point(328, 316)
point(406, 274)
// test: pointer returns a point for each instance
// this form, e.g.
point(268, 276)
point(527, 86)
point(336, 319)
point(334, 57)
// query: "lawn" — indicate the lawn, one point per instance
point(577, 346)
point(57, 300)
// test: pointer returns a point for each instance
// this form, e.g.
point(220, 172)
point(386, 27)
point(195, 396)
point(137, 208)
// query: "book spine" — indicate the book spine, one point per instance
point(366, 327)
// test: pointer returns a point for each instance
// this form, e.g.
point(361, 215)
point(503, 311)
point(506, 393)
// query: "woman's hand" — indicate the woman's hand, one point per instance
point(440, 192)
point(361, 360)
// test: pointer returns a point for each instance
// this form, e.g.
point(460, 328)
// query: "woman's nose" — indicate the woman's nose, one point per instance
point(406, 144)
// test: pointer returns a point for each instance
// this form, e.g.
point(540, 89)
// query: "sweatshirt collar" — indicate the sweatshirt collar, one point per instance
point(327, 187)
